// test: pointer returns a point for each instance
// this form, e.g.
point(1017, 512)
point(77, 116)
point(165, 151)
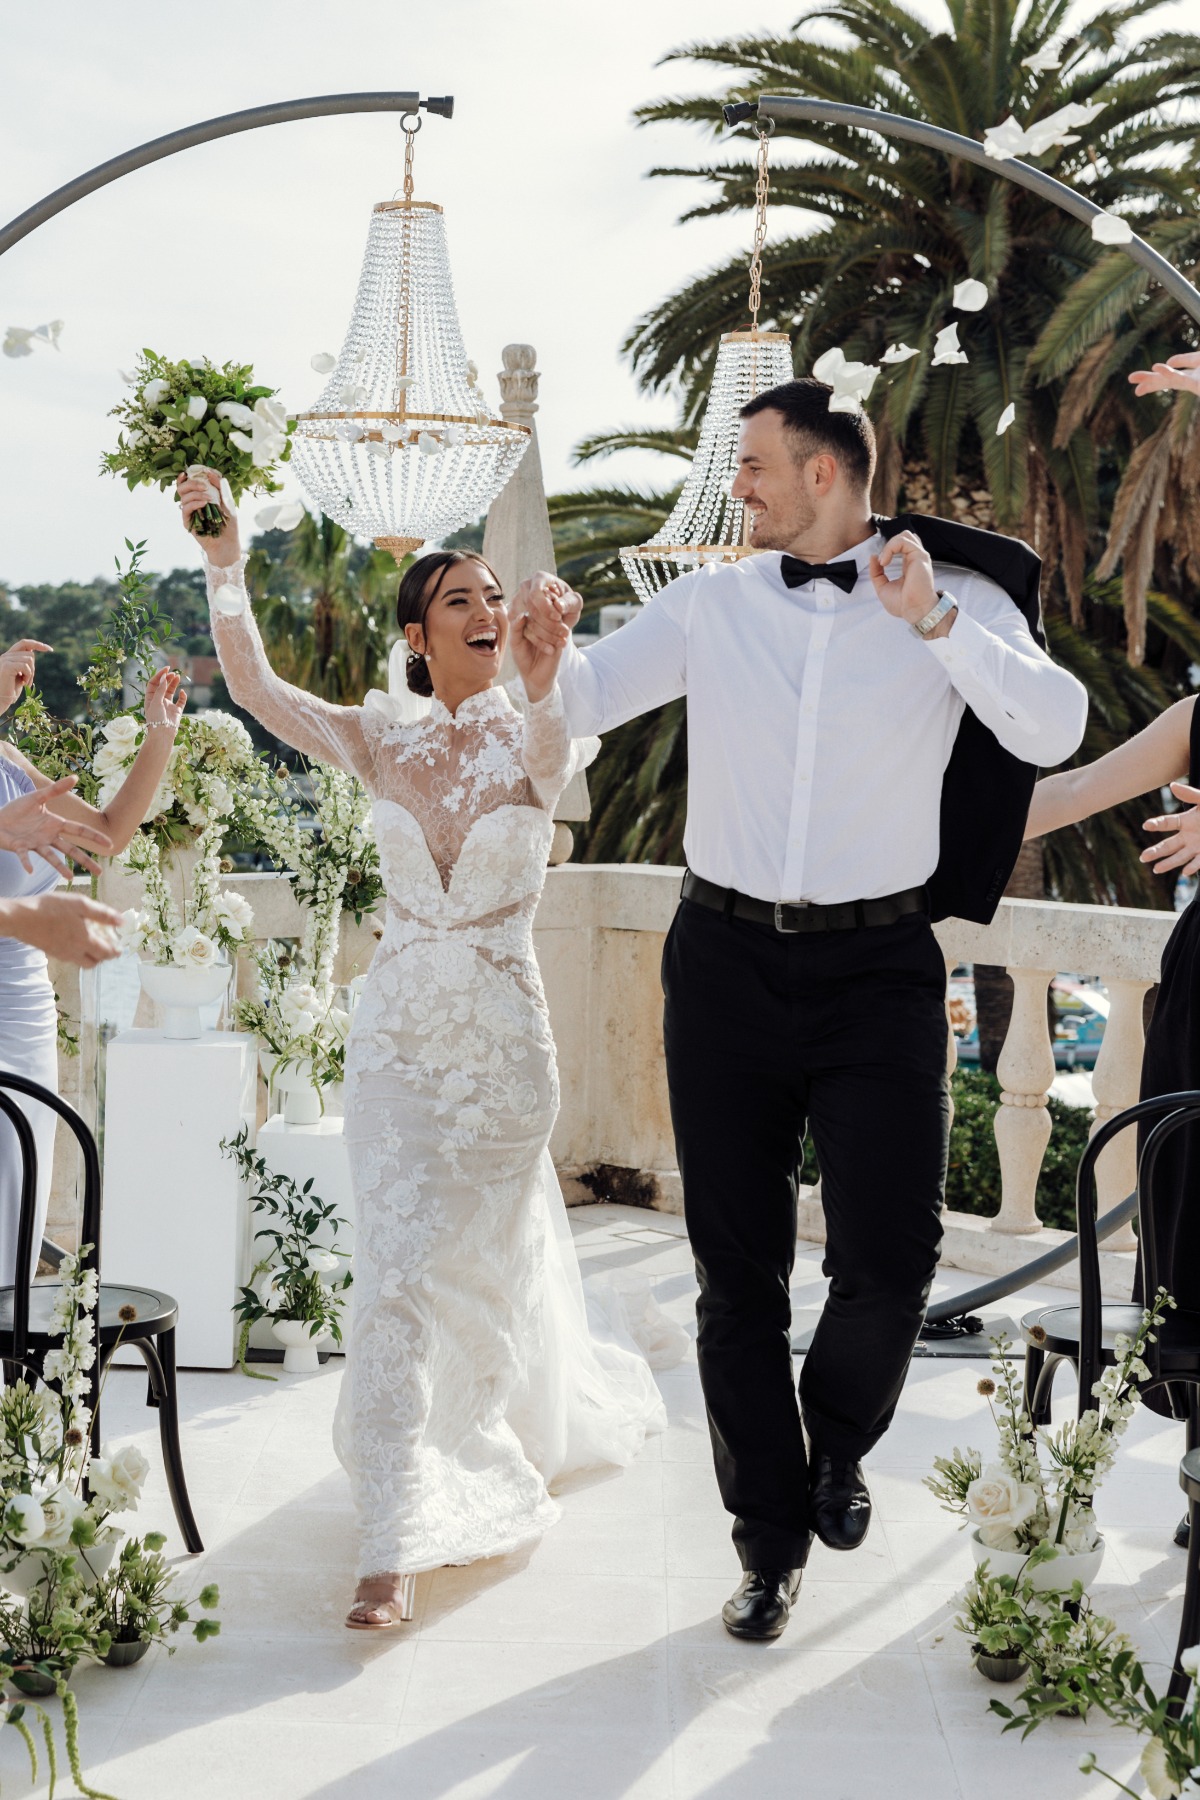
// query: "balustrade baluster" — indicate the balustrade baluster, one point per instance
point(1026, 1069)
point(1116, 1083)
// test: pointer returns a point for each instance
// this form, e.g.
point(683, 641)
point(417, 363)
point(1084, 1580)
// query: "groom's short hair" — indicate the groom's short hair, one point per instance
point(803, 406)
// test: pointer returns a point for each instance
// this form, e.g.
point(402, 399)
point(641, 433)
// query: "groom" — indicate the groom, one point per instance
point(836, 685)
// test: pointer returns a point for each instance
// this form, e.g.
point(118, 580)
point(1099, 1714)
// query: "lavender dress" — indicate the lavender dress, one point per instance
point(28, 1038)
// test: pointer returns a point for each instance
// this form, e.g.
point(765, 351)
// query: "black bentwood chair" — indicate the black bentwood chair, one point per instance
point(1084, 1335)
point(25, 1309)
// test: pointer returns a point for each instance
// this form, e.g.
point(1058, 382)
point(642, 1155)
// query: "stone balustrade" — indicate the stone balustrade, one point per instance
point(599, 934)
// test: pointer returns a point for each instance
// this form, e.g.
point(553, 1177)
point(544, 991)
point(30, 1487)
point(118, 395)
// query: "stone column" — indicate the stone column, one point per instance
point(1026, 1069)
point(1116, 1082)
point(517, 540)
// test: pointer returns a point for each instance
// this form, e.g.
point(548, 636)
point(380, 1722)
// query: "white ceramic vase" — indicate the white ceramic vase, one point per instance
point(181, 992)
point(302, 1102)
point(93, 1564)
point(1049, 1577)
point(301, 1341)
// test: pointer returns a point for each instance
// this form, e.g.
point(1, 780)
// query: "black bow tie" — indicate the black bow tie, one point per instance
point(794, 571)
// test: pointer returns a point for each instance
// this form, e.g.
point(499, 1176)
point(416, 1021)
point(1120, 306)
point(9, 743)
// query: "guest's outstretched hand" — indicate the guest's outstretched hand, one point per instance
point(202, 487)
point(28, 827)
point(17, 670)
point(1182, 849)
point(1181, 372)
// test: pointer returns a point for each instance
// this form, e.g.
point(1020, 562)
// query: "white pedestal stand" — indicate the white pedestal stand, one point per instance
point(305, 1152)
point(175, 1214)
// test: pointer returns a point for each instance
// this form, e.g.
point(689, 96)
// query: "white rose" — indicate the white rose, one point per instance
point(125, 730)
point(108, 760)
point(272, 414)
point(234, 910)
point(242, 442)
point(117, 1477)
point(236, 413)
point(1189, 1660)
point(60, 1508)
point(197, 406)
point(153, 392)
point(269, 1288)
point(132, 929)
point(193, 948)
point(322, 1262)
point(25, 1519)
point(996, 1501)
point(161, 801)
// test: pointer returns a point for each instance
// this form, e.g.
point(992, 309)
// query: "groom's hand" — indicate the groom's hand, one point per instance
point(913, 593)
point(549, 608)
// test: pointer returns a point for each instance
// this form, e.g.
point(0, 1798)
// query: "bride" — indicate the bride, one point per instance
point(472, 1380)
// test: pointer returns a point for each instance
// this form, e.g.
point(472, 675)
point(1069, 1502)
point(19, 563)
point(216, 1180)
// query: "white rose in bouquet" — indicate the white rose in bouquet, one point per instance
point(60, 1509)
point(25, 1519)
point(999, 1505)
point(155, 392)
point(193, 949)
point(117, 1477)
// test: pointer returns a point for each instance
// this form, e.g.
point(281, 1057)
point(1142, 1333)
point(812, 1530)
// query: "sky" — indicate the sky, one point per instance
point(250, 248)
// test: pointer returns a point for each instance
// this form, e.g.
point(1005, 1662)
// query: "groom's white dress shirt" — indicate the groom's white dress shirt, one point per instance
point(819, 726)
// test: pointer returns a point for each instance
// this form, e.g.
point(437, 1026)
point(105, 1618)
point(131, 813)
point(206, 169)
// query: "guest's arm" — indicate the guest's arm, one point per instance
point(67, 926)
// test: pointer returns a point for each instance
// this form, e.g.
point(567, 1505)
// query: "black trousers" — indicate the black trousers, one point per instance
point(764, 1032)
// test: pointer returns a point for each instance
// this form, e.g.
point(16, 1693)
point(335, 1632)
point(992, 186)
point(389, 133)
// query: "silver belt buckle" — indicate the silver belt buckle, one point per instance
point(791, 906)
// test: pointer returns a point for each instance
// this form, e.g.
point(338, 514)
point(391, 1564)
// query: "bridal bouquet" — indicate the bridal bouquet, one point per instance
point(1020, 1500)
point(188, 414)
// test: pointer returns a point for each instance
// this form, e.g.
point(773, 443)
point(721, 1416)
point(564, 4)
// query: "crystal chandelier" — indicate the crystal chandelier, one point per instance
point(400, 445)
point(707, 524)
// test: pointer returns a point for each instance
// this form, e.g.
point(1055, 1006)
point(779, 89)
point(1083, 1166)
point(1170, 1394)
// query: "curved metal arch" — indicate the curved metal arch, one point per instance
point(282, 112)
point(785, 107)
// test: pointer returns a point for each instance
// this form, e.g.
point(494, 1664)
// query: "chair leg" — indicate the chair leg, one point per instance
point(1034, 1362)
point(1189, 1630)
point(160, 1366)
point(1039, 1411)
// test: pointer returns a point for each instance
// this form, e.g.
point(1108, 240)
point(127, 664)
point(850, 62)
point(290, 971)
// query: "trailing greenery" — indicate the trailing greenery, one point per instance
point(973, 1171)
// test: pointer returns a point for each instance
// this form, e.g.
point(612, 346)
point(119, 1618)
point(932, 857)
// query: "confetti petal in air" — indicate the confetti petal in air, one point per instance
point(1012, 139)
point(19, 340)
point(1005, 420)
point(970, 296)
point(898, 353)
point(229, 599)
point(127, 377)
point(826, 365)
point(289, 515)
point(947, 349)
point(1111, 228)
point(851, 381)
point(323, 363)
point(266, 516)
point(1043, 60)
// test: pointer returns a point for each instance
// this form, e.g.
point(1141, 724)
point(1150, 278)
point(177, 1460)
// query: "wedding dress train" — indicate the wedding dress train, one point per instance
point(472, 1378)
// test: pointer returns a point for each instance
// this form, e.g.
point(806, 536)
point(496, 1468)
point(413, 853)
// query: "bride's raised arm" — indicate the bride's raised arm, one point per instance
point(317, 728)
point(550, 754)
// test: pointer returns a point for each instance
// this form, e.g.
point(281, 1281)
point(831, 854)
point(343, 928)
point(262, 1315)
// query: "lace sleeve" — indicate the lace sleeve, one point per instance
point(332, 734)
point(551, 756)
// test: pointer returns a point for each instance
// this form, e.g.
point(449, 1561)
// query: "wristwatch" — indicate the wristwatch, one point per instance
point(946, 603)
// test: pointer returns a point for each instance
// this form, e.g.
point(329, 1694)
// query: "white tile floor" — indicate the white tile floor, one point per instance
point(594, 1667)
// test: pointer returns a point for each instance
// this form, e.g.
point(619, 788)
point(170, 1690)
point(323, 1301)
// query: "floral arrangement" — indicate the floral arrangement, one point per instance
point(298, 1277)
point(1057, 1637)
point(57, 1501)
point(206, 922)
point(335, 868)
point(1016, 1503)
point(187, 414)
point(213, 753)
point(136, 1599)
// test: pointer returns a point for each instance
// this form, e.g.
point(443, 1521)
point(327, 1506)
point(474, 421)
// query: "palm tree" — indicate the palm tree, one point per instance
point(324, 617)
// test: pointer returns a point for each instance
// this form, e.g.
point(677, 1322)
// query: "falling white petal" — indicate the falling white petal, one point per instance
point(230, 599)
point(946, 347)
point(826, 366)
point(1111, 228)
point(1005, 420)
point(16, 341)
point(126, 377)
point(847, 403)
point(898, 353)
point(1042, 61)
point(323, 363)
point(50, 334)
point(266, 516)
point(970, 296)
point(1005, 140)
point(429, 443)
point(289, 515)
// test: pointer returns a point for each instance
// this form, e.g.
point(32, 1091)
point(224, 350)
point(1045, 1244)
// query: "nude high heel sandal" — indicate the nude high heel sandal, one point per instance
point(391, 1610)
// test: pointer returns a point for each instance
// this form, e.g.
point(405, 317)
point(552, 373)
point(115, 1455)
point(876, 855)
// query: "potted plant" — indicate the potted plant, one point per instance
point(1018, 1627)
point(138, 1606)
point(1040, 1489)
point(300, 1283)
point(991, 1617)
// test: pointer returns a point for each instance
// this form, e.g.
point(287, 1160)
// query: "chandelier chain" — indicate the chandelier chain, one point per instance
point(762, 184)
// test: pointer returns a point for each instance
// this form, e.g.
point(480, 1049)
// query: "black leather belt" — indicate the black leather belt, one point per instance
point(801, 915)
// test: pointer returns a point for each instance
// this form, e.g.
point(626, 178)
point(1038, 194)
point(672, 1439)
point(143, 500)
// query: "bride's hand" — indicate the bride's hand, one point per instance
point(202, 489)
point(538, 661)
point(1182, 372)
point(165, 699)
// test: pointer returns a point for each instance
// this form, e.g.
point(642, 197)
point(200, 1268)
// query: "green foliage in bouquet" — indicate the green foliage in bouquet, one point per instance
point(185, 414)
point(297, 1277)
point(136, 1599)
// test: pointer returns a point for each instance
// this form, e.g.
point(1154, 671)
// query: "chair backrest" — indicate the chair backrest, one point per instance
point(32, 1090)
point(1169, 1112)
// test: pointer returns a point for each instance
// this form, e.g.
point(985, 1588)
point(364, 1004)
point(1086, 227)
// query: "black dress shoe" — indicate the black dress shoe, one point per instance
point(839, 1502)
point(762, 1604)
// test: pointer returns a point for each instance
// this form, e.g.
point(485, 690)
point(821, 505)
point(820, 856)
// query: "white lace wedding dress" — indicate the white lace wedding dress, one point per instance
point(472, 1378)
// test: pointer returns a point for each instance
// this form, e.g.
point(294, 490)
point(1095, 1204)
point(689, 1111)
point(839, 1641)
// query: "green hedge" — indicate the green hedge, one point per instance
point(973, 1170)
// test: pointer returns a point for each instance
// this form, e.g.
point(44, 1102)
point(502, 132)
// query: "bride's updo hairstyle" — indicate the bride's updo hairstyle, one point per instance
point(418, 590)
